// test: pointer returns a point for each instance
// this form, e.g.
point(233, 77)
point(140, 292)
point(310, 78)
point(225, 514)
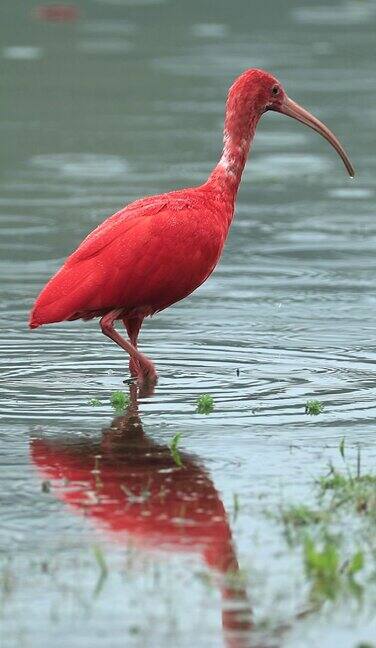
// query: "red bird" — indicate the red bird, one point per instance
point(159, 249)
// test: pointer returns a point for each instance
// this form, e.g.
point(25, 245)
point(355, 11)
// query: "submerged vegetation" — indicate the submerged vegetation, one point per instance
point(314, 407)
point(103, 569)
point(119, 401)
point(173, 445)
point(205, 404)
point(337, 535)
point(94, 402)
point(328, 572)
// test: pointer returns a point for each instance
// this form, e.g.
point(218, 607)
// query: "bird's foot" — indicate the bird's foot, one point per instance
point(147, 374)
point(143, 370)
point(146, 386)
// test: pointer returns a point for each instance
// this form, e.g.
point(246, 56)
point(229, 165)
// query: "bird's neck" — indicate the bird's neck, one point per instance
point(239, 131)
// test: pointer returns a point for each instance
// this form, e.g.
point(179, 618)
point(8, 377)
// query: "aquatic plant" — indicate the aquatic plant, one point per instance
point(344, 500)
point(142, 497)
point(342, 448)
point(328, 574)
point(119, 401)
point(205, 404)
point(236, 505)
point(357, 492)
point(314, 407)
point(103, 569)
point(95, 402)
point(173, 445)
point(99, 557)
point(300, 515)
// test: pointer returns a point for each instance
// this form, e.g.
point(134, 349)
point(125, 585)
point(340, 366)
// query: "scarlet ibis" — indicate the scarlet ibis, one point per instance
point(130, 487)
point(157, 250)
point(57, 13)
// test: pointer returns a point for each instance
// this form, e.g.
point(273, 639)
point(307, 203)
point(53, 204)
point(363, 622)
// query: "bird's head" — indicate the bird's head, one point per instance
point(258, 91)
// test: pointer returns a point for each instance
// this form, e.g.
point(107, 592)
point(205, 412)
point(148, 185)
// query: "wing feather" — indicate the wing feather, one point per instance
point(118, 224)
point(92, 278)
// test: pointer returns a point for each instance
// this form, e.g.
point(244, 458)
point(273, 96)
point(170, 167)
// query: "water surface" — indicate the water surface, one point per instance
point(128, 101)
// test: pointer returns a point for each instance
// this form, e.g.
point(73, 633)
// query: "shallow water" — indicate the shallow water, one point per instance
point(127, 101)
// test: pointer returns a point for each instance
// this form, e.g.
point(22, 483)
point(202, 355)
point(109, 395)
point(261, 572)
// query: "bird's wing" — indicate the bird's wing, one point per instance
point(116, 260)
point(118, 224)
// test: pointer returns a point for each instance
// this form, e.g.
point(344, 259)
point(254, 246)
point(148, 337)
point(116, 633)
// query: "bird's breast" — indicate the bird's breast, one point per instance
point(183, 260)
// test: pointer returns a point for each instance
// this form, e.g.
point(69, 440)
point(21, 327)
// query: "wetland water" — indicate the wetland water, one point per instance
point(103, 540)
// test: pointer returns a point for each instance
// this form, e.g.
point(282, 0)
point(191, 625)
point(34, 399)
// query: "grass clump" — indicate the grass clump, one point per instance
point(357, 492)
point(328, 574)
point(94, 402)
point(119, 401)
point(173, 445)
point(314, 407)
point(205, 404)
point(301, 516)
point(322, 567)
point(337, 533)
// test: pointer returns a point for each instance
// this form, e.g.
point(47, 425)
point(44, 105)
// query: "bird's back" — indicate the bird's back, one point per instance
point(145, 257)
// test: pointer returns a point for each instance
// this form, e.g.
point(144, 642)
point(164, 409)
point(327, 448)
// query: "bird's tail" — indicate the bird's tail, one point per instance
point(69, 291)
point(33, 322)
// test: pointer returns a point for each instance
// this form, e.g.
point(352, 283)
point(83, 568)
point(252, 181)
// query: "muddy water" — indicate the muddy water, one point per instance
point(103, 540)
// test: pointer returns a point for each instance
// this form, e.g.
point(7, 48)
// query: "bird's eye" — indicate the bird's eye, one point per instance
point(275, 90)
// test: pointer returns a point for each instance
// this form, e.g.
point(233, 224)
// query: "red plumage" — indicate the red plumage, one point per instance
point(158, 250)
point(145, 257)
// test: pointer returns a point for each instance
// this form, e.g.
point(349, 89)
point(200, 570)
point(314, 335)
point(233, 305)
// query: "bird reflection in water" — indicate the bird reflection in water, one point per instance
point(131, 486)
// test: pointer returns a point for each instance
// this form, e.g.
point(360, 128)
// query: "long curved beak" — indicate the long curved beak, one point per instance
point(292, 109)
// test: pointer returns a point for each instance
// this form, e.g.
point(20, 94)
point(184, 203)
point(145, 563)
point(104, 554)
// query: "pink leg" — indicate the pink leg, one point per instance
point(133, 328)
point(147, 369)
